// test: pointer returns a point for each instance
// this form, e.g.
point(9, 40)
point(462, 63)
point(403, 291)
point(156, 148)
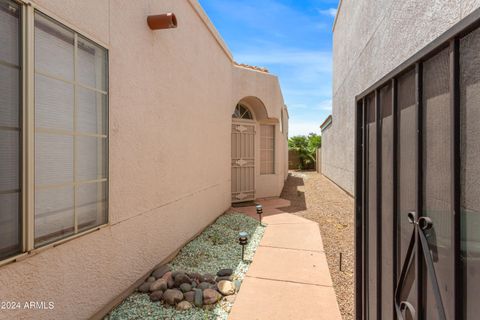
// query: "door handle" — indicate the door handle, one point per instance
point(420, 225)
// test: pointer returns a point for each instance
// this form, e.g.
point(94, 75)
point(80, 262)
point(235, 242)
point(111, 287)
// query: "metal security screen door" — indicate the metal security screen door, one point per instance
point(243, 161)
point(406, 207)
point(417, 185)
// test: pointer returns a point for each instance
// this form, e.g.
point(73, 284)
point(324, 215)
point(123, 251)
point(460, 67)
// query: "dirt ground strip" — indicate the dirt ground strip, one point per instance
point(314, 197)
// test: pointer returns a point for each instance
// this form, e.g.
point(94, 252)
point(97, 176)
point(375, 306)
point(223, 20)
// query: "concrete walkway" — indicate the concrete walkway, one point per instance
point(289, 276)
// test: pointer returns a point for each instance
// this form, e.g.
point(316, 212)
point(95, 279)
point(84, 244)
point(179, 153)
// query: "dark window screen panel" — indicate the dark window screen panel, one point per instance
point(387, 201)
point(437, 178)
point(10, 130)
point(407, 173)
point(470, 169)
point(371, 218)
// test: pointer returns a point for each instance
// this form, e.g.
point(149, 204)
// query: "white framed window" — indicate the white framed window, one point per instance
point(53, 131)
point(267, 149)
point(70, 132)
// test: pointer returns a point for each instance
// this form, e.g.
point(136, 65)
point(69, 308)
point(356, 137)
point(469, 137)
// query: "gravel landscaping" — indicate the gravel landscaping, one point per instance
point(314, 197)
point(201, 282)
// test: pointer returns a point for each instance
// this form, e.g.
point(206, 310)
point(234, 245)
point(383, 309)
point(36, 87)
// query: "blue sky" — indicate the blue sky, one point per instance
point(293, 39)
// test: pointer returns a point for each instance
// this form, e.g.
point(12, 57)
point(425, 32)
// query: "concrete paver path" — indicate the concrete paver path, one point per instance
point(289, 277)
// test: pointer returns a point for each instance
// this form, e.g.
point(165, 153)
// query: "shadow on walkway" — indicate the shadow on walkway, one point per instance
point(291, 200)
point(289, 277)
point(294, 192)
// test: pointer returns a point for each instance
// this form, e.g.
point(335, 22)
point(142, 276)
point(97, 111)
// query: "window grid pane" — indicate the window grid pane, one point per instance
point(9, 95)
point(242, 112)
point(91, 205)
point(9, 32)
point(54, 48)
point(53, 103)
point(91, 64)
point(54, 214)
point(267, 149)
point(71, 133)
point(10, 131)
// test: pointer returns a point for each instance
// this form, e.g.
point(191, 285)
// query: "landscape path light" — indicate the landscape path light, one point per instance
point(243, 240)
point(259, 212)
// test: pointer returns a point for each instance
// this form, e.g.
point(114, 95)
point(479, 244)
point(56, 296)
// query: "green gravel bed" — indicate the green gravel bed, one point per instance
point(214, 249)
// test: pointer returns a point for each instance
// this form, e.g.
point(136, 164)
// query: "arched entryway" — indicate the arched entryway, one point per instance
point(249, 119)
point(243, 154)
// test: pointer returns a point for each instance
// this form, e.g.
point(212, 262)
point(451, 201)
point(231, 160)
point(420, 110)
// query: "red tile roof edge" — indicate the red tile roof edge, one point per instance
point(261, 69)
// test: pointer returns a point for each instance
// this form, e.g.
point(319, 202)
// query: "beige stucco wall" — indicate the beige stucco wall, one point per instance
point(318, 162)
point(172, 93)
point(326, 149)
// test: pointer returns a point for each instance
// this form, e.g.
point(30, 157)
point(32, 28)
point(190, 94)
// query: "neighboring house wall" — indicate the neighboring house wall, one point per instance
point(319, 160)
point(370, 39)
point(172, 94)
point(328, 159)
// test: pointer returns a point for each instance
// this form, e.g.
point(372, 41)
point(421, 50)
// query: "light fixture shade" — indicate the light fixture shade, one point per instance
point(243, 238)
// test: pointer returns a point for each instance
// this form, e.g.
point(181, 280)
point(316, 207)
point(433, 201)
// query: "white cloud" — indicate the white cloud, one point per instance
point(316, 90)
point(325, 105)
point(304, 68)
point(298, 106)
point(317, 60)
point(332, 12)
point(299, 127)
point(252, 12)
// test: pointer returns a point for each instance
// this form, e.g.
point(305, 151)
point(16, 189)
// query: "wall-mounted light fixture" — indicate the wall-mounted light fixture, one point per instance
point(162, 21)
point(243, 241)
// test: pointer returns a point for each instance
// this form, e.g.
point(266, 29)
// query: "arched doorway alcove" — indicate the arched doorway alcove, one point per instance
point(248, 111)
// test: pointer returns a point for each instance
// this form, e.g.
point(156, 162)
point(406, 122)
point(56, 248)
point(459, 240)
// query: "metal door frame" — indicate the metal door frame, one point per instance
point(448, 39)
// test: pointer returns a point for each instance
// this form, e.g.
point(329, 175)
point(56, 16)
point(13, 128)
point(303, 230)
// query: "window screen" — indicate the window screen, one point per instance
point(267, 149)
point(470, 169)
point(10, 130)
point(70, 132)
point(437, 177)
point(406, 172)
point(387, 222)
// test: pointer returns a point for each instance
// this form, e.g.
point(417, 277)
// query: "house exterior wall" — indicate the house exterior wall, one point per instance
point(370, 39)
point(266, 88)
point(318, 162)
point(327, 151)
point(285, 147)
point(171, 97)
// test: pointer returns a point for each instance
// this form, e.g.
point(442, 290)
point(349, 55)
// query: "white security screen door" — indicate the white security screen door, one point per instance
point(243, 161)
